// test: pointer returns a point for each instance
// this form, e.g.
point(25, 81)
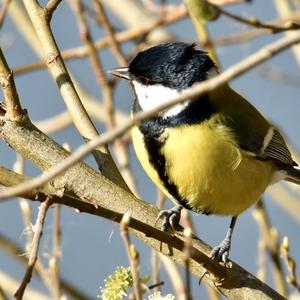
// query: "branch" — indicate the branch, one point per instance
point(123, 36)
point(133, 256)
point(54, 263)
point(271, 240)
point(234, 282)
point(286, 9)
point(10, 178)
point(62, 78)
point(256, 23)
point(91, 187)
point(107, 92)
point(10, 284)
point(51, 7)
point(4, 11)
point(11, 97)
point(248, 35)
point(103, 21)
point(38, 231)
point(234, 71)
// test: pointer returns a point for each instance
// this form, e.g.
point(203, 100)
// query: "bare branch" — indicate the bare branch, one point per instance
point(11, 97)
point(38, 231)
point(290, 263)
point(56, 253)
point(245, 65)
point(175, 276)
point(103, 43)
point(62, 78)
point(231, 282)
point(188, 237)
point(51, 7)
point(107, 93)
point(10, 178)
point(271, 239)
point(103, 20)
point(133, 256)
point(10, 284)
point(248, 35)
point(4, 11)
point(258, 24)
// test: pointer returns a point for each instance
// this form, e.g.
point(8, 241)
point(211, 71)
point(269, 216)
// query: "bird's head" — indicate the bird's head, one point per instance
point(161, 72)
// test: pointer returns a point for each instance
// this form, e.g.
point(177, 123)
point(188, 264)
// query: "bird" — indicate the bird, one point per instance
point(214, 155)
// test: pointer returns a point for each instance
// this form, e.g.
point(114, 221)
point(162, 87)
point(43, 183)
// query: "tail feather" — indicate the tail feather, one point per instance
point(293, 175)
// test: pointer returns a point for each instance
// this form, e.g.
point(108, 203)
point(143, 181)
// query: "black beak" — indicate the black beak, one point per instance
point(120, 72)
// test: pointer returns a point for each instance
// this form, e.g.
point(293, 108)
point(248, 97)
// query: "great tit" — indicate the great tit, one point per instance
point(214, 155)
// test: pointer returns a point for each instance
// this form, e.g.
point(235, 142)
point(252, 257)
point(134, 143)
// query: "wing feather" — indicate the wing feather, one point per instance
point(277, 150)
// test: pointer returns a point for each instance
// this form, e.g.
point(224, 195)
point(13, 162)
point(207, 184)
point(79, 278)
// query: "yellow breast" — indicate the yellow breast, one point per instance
point(208, 168)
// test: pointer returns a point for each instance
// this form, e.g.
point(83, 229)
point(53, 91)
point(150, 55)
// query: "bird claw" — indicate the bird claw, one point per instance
point(171, 218)
point(221, 252)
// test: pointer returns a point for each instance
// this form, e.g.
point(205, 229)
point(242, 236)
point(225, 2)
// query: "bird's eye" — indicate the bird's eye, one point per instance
point(144, 81)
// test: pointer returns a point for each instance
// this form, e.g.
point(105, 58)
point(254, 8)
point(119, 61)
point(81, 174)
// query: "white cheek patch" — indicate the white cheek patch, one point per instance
point(151, 96)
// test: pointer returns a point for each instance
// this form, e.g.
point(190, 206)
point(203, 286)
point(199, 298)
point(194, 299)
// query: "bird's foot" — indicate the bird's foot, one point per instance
point(221, 252)
point(171, 218)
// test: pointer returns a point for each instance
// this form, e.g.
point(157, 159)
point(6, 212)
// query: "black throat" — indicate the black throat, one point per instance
point(154, 138)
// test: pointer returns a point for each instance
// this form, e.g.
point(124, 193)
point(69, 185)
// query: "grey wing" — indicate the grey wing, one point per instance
point(275, 148)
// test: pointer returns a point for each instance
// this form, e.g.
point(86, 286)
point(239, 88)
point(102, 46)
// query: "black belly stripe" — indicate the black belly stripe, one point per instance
point(153, 129)
point(158, 161)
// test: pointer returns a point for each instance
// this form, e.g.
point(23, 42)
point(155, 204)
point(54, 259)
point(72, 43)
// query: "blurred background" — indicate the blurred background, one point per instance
point(91, 246)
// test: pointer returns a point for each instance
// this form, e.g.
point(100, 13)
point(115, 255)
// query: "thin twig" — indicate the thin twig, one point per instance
point(38, 231)
point(133, 256)
point(100, 75)
point(24, 205)
point(247, 35)
point(240, 68)
point(50, 7)
point(188, 232)
point(285, 9)
point(103, 43)
point(258, 24)
point(175, 276)
point(72, 100)
point(287, 201)
point(241, 283)
point(278, 75)
point(17, 252)
point(154, 257)
point(201, 13)
point(13, 106)
point(120, 148)
point(103, 20)
point(3, 11)
point(271, 239)
point(158, 8)
point(290, 263)
point(56, 253)
point(10, 284)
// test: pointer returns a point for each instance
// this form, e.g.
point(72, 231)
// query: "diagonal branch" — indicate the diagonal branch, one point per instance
point(256, 23)
point(51, 7)
point(72, 100)
point(103, 20)
point(11, 97)
point(4, 11)
point(234, 283)
point(234, 71)
point(38, 231)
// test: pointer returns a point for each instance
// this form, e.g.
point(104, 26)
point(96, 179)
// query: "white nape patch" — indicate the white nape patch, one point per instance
point(267, 139)
point(151, 96)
